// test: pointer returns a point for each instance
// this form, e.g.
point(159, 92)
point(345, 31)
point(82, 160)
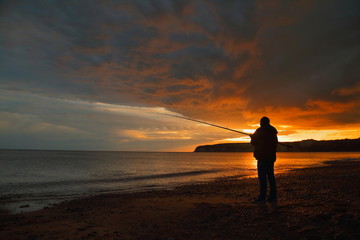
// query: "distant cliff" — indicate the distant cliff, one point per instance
point(344, 145)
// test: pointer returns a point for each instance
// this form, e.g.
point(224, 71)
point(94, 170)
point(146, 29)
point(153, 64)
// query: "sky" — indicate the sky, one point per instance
point(97, 75)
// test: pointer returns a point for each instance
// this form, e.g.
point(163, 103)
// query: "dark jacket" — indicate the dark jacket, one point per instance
point(264, 141)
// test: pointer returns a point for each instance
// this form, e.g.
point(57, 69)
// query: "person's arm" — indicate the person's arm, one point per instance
point(254, 138)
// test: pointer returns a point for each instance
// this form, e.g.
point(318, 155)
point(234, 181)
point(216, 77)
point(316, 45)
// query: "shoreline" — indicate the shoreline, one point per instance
point(314, 203)
point(31, 198)
point(24, 204)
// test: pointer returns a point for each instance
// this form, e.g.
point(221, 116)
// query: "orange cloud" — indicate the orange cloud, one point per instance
point(348, 91)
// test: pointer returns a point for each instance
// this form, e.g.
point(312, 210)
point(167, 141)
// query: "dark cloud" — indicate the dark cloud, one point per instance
point(226, 61)
point(309, 57)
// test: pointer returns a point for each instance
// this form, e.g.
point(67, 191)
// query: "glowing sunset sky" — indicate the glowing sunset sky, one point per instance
point(94, 75)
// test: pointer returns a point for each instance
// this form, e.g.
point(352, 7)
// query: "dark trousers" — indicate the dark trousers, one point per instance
point(265, 174)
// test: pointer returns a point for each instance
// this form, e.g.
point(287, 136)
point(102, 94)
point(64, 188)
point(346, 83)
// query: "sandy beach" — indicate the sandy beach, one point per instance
point(314, 203)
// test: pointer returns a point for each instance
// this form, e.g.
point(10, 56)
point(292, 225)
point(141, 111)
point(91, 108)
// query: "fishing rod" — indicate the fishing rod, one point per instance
point(214, 125)
point(194, 120)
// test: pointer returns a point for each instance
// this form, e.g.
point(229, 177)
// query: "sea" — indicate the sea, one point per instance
point(34, 179)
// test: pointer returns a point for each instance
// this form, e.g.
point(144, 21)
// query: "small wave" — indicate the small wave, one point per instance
point(344, 160)
point(108, 180)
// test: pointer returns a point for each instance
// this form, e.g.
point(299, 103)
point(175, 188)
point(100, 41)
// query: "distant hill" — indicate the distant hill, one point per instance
point(344, 145)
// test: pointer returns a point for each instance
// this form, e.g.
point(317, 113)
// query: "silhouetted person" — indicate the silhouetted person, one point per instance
point(264, 141)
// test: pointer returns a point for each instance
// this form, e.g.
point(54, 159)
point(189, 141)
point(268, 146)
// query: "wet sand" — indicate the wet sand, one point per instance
point(314, 203)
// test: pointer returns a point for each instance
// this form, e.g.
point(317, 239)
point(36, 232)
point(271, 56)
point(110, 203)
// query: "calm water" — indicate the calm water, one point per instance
point(41, 176)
